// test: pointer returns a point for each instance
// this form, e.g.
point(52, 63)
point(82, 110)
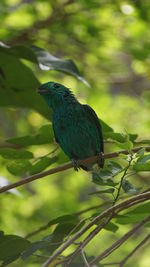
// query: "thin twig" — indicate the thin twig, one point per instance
point(119, 242)
point(84, 258)
point(121, 181)
point(66, 167)
point(122, 263)
point(116, 208)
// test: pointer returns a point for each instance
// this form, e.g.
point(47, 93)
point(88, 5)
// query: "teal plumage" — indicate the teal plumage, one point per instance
point(76, 127)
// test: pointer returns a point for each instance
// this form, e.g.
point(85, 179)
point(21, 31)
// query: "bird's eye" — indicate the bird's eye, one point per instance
point(56, 85)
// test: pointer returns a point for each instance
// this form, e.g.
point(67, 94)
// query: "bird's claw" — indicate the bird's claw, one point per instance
point(101, 159)
point(75, 164)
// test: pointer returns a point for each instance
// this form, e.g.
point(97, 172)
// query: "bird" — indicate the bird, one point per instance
point(76, 126)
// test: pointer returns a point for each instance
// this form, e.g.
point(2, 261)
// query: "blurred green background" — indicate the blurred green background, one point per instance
point(110, 43)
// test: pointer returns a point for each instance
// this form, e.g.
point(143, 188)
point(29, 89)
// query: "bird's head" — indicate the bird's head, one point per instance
point(55, 94)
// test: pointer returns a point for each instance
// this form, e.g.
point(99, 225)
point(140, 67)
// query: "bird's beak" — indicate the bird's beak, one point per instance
point(42, 91)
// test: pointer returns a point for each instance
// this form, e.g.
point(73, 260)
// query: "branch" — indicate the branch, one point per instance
point(90, 237)
point(119, 242)
point(68, 166)
point(114, 209)
point(122, 263)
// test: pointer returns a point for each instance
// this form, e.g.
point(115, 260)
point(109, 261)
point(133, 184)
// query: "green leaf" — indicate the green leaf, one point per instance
point(141, 167)
point(19, 167)
point(114, 167)
point(134, 215)
point(11, 153)
point(45, 136)
point(21, 88)
point(63, 219)
point(128, 187)
point(42, 164)
point(111, 227)
point(125, 145)
point(143, 158)
point(49, 62)
point(11, 246)
point(114, 136)
point(34, 247)
point(123, 219)
point(142, 208)
point(106, 191)
point(65, 224)
point(141, 152)
point(105, 127)
point(104, 179)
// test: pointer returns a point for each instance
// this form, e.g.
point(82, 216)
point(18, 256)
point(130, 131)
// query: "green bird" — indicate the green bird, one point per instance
point(76, 126)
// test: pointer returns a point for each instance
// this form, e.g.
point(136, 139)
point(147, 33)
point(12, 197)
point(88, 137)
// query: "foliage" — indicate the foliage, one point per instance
point(108, 42)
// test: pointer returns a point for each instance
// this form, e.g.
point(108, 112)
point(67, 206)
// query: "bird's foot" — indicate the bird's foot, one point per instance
point(75, 164)
point(101, 159)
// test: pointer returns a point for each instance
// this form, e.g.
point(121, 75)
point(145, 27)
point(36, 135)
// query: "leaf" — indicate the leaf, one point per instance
point(106, 191)
point(134, 215)
point(105, 127)
point(49, 62)
point(34, 247)
point(104, 179)
point(120, 137)
point(42, 164)
point(19, 167)
point(44, 136)
point(105, 175)
point(142, 208)
point(143, 158)
point(63, 219)
point(11, 247)
point(111, 227)
point(114, 136)
point(114, 167)
point(125, 145)
point(141, 152)
point(20, 51)
point(21, 88)
point(65, 224)
point(123, 219)
point(128, 187)
point(141, 167)
point(11, 153)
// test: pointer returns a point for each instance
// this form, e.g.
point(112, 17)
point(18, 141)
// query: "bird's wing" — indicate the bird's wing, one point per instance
point(93, 117)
